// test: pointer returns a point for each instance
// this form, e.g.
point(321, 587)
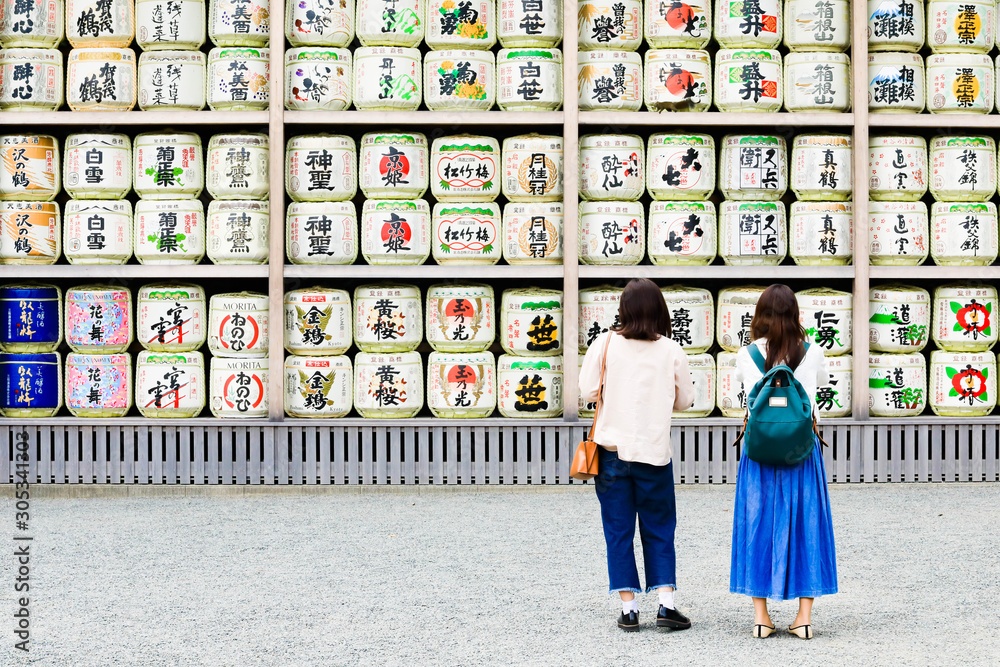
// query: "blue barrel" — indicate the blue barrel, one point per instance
point(30, 318)
point(31, 383)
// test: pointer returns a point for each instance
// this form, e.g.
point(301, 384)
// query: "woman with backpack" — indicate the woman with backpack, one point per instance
point(783, 545)
point(645, 377)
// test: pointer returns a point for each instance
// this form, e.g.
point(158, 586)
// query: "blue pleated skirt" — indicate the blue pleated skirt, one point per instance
point(782, 531)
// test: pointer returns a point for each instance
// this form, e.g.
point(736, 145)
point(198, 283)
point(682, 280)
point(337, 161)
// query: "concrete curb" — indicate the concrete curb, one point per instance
point(240, 490)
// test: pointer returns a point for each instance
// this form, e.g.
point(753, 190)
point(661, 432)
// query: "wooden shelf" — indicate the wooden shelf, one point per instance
point(462, 272)
point(158, 119)
point(668, 120)
point(441, 119)
point(935, 272)
point(717, 271)
point(94, 272)
point(940, 122)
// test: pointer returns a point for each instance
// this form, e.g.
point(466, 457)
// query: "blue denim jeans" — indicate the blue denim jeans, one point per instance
point(627, 489)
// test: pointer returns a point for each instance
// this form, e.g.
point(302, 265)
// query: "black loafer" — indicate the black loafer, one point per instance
point(629, 622)
point(671, 618)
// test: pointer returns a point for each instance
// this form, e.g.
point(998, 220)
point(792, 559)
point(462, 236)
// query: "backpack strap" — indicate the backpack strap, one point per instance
point(757, 357)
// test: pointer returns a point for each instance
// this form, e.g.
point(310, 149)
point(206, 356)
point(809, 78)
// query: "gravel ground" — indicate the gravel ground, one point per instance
point(485, 577)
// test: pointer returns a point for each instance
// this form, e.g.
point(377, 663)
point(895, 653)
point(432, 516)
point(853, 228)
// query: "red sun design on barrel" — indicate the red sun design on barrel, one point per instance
point(388, 230)
point(679, 81)
point(461, 373)
point(402, 163)
point(679, 15)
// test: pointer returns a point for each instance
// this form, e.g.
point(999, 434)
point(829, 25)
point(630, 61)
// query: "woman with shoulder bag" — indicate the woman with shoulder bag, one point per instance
point(645, 378)
point(783, 546)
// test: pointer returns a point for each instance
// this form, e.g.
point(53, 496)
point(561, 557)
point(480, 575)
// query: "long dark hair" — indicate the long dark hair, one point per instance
point(643, 312)
point(777, 320)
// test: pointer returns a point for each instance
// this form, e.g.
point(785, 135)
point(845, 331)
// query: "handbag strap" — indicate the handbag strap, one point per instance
point(600, 387)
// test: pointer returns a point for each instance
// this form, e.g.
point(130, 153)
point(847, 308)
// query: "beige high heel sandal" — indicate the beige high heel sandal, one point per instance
point(760, 631)
point(801, 631)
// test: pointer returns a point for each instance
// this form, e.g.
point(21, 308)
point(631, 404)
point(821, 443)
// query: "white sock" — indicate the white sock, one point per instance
point(666, 598)
point(629, 606)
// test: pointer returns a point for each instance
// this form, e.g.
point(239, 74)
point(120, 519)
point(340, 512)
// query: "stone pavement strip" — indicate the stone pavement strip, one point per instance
point(480, 576)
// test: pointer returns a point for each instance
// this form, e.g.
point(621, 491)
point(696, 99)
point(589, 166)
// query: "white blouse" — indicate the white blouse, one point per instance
point(811, 372)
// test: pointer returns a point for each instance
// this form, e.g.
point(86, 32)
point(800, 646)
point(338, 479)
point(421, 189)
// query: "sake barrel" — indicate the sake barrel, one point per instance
point(533, 233)
point(172, 80)
point(104, 23)
point(895, 25)
point(238, 166)
point(317, 321)
point(531, 322)
point(611, 167)
point(741, 24)
point(394, 165)
point(736, 309)
point(318, 79)
point(319, 22)
point(531, 23)
point(895, 82)
point(169, 24)
point(31, 384)
point(168, 165)
point(321, 167)
point(529, 387)
point(897, 233)
point(461, 25)
point(753, 167)
point(834, 398)
point(400, 23)
point(900, 317)
point(461, 385)
point(98, 385)
point(961, 27)
point(30, 79)
point(692, 317)
point(598, 313)
point(963, 384)
point(465, 167)
point(38, 25)
point(238, 388)
point(749, 80)
point(960, 83)
point(30, 167)
point(610, 24)
point(817, 82)
point(97, 166)
point(395, 231)
point(172, 317)
point(170, 385)
point(169, 231)
point(388, 385)
point(753, 233)
point(702, 369)
point(460, 318)
point(964, 233)
point(530, 79)
point(822, 233)
point(682, 232)
point(31, 318)
point(29, 232)
point(101, 79)
point(533, 168)
point(585, 409)
point(678, 25)
point(321, 232)
point(611, 232)
point(239, 22)
point(897, 168)
point(386, 78)
point(822, 167)
point(609, 80)
point(318, 387)
point(817, 26)
point(238, 325)
point(387, 318)
point(678, 80)
point(828, 319)
point(97, 231)
point(897, 385)
point(730, 397)
point(238, 78)
point(963, 317)
point(459, 79)
point(680, 166)
point(963, 168)
point(238, 232)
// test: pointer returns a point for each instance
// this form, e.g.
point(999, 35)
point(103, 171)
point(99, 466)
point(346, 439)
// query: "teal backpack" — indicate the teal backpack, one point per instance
point(779, 426)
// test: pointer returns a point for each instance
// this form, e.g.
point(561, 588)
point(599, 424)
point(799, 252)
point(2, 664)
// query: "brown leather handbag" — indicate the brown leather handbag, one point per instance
point(584, 464)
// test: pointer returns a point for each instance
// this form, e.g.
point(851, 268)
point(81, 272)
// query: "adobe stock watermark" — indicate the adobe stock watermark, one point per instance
point(22, 542)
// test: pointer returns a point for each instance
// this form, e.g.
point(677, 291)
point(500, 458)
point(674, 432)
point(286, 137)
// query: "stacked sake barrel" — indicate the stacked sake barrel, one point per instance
point(29, 215)
point(31, 65)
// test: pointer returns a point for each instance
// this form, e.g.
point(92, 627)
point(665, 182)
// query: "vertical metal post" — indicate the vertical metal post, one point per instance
point(859, 60)
point(276, 256)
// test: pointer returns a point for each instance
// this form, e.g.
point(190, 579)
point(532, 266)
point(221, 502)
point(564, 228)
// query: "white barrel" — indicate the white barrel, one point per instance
point(533, 233)
point(399, 23)
point(897, 233)
point(960, 83)
point(730, 397)
point(736, 309)
point(531, 322)
point(460, 25)
point(963, 233)
point(817, 26)
point(465, 167)
point(963, 168)
point(529, 79)
point(822, 233)
point(692, 317)
point(395, 231)
point(30, 79)
point(98, 385)
point(753, 167)
point(895, 25)
point(895, 82)
point(318, 387)
point(387, 318)
point(749, 80)
point(29, 232)
point(678, 25)
point(318, 78)
point(753, 233)
point(533, 168)
point(610, 24)
point(239, 22)
point(822, 167)
point(32, 385)
point(97, 231)
point(828, 319)
point(743, 25)
point(611, 232)
point(523, 23)
point(529, 387)
point(238, 166)
point(459, 80)
point(171, 317)
point(609, 80)
point(678, 80)
point(834, 398)
point(966, 26)
point(897, 385)
point(168, 165)
point(680, 166)
point(38, 25)
point(682, 232)
point(97, 166)
point(101, 79)
point(394, 165)
point(461, 385)
point(238, 78)
point(169, 231)
point(467, 233)
point(817, 82)
point(163, 25)
point(31, 318)
point(319, 22)
point(897, 168)
point(388, 385)
point(460, 318)
point(30, 167)
point(387, 78)
point(963, 319)
point(100, 23)
point(317, 321)
point(238, 232)
point(598, 313)
point(963, 384)
point(238, 388)
point(321, 167)
point(238, 325)
point(170, 385)
point(611, 167)
point(702, 369)
point(321, 233)
point(98, 319)
point(172, 80)
point(899, 318)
